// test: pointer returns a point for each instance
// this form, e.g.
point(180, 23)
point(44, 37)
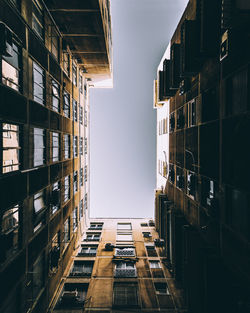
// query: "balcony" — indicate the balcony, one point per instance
point(128, 273)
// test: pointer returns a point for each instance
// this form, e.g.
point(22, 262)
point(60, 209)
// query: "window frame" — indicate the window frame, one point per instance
point(41, 72)
point(40, 22)
point(66, 104)
point(66, 146)
point(56, 85)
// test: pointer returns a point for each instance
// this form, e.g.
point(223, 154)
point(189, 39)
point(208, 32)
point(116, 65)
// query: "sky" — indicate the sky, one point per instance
point(122, 119)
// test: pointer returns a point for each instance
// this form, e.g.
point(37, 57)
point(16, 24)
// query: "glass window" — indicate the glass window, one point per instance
point(81, 176)
point(124, 237)
point(74, 110)
point(96, 226)
point(82, 268)
point(85, 173)
point(39, 146)
point(66, 188)
point(80, 84)
point(154, 264)
point(66, 146)
point(10, 231)
point(37, 273)
point(81, 208)
point(85, 145)
point(125, 295)
point(66, 104)
point(67, 230)
point(81, 146)
point(85, 118)
point(55, 95)
point(66, 62)
point(11, 67)
point(75, 219)
point(88, 251)
point(37, 18)
point(151, 251)
point(54, 40)
point(11, 148)
point(85, 201)
point(192, 113)
point(55, 147)
point(74, 74)
point(55, 197)
point(81, 114)
point(75, 181)
point(38, 84)
point(73, 296)
point(124, 226)
point(93, 236)
point(161, 288)
point(124, 251)
point(75, 146)
point(39, 206)
point(146, 234)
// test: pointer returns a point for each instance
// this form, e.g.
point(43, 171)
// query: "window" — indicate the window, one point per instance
point(154, 264)
point(97, 226)
point(66, 63)
point(75, 146)
point(191, 184)
point(37, 18)
point(10, 231)
point(125, 251)
point(85, 201)
point(124, 237)
point(66, 230)
point(81, 177)
point(55, 197)
point(75, 219)
point(11, 67)
point(81, 114)
point(39, 146)
point(146, 234)
point(88, 251)
point(151, 251)
point(73, 296)
point(93, 236)
point(66, 146)
point(54, 42)
point(54, 254)
point(125, 269)
point(74, 110)
point(74, 74)
point(172, 122)
point(144, 225)
point(38, 84)
point(192, 113)
point(80, 84)
point(85, 90)
point(66, 188)
point(85, 173)
point(125, 294)
point(55, 147)
point(85, 118)
point(126, 226)
point(85, 145)
point(161, 288)
point(66, 104)
point(39, 206)
point(11, 148)
point(81, 145)
point(75, 181)
point(37, 272)
point(81, 208)
point(82, 268)
point(55, 92)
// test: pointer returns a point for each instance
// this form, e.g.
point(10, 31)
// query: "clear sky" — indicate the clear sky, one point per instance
point(122, 119)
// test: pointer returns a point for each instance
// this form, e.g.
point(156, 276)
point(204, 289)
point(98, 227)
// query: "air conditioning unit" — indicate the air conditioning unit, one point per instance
point(159, 242)
point(109, 247)
point(6, 44)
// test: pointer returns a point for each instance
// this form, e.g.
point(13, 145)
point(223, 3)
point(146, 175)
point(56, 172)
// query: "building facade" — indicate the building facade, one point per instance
point(203, 211)
point(119, 266)
point(50, 54)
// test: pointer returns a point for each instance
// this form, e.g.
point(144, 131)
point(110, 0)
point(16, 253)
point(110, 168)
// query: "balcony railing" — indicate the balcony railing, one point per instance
point(125, 272)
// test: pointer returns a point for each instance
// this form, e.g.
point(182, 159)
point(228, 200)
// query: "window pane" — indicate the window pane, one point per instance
point(10, 75)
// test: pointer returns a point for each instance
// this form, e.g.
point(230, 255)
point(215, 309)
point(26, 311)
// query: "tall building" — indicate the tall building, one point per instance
point(51, 52)
point(119, 266)
point(202, 211)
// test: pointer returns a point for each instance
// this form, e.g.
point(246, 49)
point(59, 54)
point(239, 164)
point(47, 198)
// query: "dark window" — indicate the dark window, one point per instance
point(192, 113)
point(81, 145)
point(66, 231)
point(88, 251)
point(151, 251)
point(39, 146)
point(10, 232)
point(125, 269)
point(66, 145)
point(96, 226)
point(74, 110)
point(54, 254)
point(66, 188)
point(54, 41)
point(75, 181)
point(125, 295)
point(81, 208)
point(55, 146)
point(75, 219)
point(85, 201)
point(80, 84)
point(55, 197)
point(11, 67)
point(37, 273)
point(37, 18)
point(161, 288)
point(39, 206)
point(73, 296)
point(82, 268)
point(75, 146)
point(85, 118)
point(81, 176)
point(11, 147)
point(38, 84)
point(144, 225)
point(55, 95)
point(85, 173)
point(66, 104)
point(146, 234)
point(66, 62)
point(74, 74)
point(172, 122)
point(93, 236)
point(85, 145)
point(81, 114)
